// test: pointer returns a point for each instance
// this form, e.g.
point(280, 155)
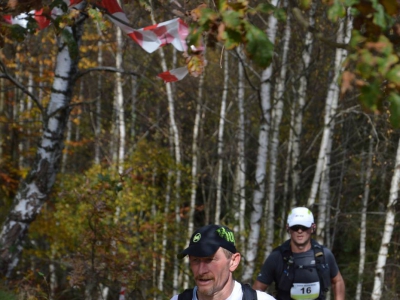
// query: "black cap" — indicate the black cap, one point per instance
point(206, 240)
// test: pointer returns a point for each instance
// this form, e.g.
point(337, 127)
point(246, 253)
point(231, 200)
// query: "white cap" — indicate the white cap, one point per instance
point(300, 216)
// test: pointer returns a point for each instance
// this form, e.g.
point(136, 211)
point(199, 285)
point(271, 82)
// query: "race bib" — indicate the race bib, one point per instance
point(305, 291)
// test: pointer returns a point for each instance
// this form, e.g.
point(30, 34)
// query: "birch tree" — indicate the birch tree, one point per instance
point(177, 152)
point(220, 146)
point(276, 122)
point(298, 106)
point(363, 223)
point(34, 189)
point(240, 176)
point(261, 163)
point(322, 168)
point(119, 102)
point(387, 230)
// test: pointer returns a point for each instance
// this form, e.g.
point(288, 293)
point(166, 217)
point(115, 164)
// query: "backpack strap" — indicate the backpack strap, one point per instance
point(248, 292)
point(322, 267)
point(285, 282)
point(186, 295)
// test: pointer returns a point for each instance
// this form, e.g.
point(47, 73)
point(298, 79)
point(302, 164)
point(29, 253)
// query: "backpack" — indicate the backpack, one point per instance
point(248, 293)
point(287, 276)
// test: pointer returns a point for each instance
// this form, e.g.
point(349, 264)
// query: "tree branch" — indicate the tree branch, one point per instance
point(6, 75)
point(107, 69)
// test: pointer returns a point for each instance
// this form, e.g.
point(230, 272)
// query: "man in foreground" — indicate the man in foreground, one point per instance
point(213, 258)
point(301, 268)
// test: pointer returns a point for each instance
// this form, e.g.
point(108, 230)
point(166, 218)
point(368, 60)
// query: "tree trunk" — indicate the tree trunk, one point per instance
point(363, 225)
point(240, 180)
point(119, 100)
point(34, 189)
point(387, 231)
point(221, 126)
point(178, 159)
point(276, 121)
point(261, 164)
point(343, 36)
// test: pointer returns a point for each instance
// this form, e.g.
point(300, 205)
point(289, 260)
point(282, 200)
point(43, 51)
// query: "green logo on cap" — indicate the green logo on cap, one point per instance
point(197, 237)
point(226, 235)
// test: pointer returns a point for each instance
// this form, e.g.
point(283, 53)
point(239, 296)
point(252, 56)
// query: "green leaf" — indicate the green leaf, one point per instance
point(71, 43)
point(258, 47)
point(305, 4)
point(207, 16)
point(265, 8)
point(370, 95)
point(232, 38)
point(366, 65)
point(380, 17)
point(349, 3)
point(18, 32)
point(222, 5)
point(385, 63)
point(356, 38)
point(336, 11)
point(394, 100)
point(394, 74)
point(195, 35)
point(280, 14)
point(232, 19)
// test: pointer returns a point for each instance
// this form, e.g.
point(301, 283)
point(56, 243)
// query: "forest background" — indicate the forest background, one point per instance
point(105, 170)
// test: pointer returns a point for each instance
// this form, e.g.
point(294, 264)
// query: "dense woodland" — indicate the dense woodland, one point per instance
point(137, 164)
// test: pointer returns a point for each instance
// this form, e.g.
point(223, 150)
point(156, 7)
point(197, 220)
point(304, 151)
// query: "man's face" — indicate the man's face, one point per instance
point(300, 235)
point(212, 274)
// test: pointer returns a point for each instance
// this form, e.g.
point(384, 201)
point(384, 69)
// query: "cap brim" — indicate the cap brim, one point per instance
point(306, 224)
point(199, 250)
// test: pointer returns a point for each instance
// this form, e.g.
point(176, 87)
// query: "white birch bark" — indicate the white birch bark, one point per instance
point(195, 166)
point(276, 121)
point(164, 238)
point(298, 107)
point(53, 276)
point(363, 223)
point(35, 188)
point(387, 231)
point(261, 164)
point(324, 194)
point(119, 100)
point(240, 180)
point(221, 138)
point(178, 160)
point(195, 154)
point(343, 36)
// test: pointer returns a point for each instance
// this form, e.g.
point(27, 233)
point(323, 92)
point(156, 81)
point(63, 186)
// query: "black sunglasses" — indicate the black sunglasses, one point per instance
point(297, 227)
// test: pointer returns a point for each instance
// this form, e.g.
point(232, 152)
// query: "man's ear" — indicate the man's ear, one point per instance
point(235, 260)
point(313, 227)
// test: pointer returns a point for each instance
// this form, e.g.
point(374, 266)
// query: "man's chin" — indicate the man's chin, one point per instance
point(204, 291)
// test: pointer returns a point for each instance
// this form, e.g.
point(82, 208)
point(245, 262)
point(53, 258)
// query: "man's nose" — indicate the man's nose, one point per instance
point(203, 267)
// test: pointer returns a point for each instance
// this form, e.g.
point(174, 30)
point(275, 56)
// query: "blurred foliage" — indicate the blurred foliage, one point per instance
point(102, 229)
point(228, 23)
point(373, 66)
point(7, 296)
